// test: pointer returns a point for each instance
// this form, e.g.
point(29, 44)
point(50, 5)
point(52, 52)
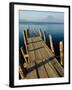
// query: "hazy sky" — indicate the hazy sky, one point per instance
point(41, 16)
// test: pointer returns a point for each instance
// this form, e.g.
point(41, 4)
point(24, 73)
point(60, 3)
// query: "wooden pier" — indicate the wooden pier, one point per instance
point(40, 61)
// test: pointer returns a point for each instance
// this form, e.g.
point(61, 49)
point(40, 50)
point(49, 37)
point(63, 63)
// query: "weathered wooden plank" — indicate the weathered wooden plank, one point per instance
point(38, 57)
point(55, 63)
point(31, 54)
point(50, 53)
point(58, 67)
point(51, 70)
point(43, 53)
point(32, 74)
point(34, 55)
point(34, 40)
point(37, 53)
point(29, 40)
point(37, 45)
point(41, 70)
point(30, 47)
point(31, 64)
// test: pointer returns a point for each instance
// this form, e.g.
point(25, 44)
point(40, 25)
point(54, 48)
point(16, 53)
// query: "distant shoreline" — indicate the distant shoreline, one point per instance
point(40, 23)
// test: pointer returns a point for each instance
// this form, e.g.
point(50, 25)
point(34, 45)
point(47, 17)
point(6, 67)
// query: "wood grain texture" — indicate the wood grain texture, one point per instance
point(42, 60)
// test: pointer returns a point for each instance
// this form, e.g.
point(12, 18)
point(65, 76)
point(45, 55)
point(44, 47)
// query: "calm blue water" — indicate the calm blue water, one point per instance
point(56, 30)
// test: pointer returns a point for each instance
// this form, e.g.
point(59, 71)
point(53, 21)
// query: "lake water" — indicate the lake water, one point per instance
point(56, 30)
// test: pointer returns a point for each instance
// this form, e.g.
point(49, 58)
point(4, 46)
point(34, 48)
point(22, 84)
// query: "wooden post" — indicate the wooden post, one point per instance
point(51, 44)
point(21, 72)
point(27, 33)
point(24, 35)
point(26, 56)
point(40, 33)
point(25, 40)
point(44, 36)
point(61, 53)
